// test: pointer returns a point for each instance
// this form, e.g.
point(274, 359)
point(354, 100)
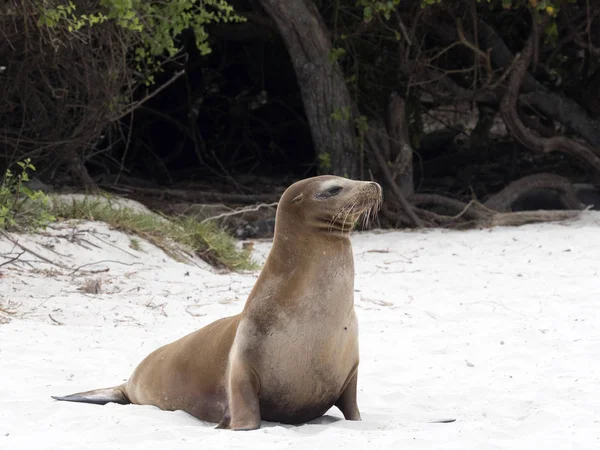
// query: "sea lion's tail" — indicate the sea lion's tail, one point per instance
point(114, 394)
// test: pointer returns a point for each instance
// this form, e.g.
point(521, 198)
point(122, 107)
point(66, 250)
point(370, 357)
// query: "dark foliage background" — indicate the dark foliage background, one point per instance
point(460, 100)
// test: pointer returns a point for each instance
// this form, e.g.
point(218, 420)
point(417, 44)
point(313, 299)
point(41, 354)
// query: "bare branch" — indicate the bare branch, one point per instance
point(460, 208)
point(485, 56)
point(149, 96)
point(54, 320)
point(562, 109)
point(508, 110)
point(37, 255)
point(12, 260)
point(103, 261)
point(241, 211)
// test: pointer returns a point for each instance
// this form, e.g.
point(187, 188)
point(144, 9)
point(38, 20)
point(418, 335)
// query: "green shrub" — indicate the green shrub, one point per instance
point(153, 25)
point(20, 207)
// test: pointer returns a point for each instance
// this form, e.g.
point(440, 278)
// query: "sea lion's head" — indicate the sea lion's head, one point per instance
point(328, 203)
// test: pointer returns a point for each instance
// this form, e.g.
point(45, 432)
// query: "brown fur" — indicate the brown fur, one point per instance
point(292, 353)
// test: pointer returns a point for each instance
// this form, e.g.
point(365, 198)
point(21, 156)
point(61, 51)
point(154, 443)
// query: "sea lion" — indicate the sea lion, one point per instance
point(292, 353)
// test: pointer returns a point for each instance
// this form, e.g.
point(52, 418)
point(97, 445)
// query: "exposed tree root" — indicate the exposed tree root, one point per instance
point(469, 210)
point(503, 200)
point(461, 215)
point(514, 219)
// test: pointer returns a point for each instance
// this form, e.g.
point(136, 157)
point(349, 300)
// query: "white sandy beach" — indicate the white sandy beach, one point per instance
point(499, 329)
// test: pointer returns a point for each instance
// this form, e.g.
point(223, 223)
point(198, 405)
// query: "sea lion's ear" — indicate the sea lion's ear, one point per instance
point(297, 199)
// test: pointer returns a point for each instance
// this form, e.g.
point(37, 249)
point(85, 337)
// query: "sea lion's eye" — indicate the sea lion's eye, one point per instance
point(331, 192)
point(334, 190)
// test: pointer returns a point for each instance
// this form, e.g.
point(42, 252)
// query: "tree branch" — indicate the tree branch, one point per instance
point(560, 108)
point(485, 56)
point(469, 210)
point(135, 105)
point(554, 105)
point(12, 260)
point(508, 111)
point(240, 211)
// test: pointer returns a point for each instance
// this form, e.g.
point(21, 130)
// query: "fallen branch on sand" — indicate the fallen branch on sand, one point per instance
point(12, 260)
point(73, 270)
point(477, 215)
point(240, 211)
point(54, 320)
point(28, 250)
point(102, 261)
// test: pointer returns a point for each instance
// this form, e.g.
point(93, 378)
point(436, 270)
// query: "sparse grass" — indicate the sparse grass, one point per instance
point(134, 243)
point(209, 242)
point(22, 209)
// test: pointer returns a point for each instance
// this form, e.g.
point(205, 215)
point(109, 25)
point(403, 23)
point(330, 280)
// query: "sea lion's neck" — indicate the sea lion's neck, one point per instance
point(293, 246)
point(302, 263)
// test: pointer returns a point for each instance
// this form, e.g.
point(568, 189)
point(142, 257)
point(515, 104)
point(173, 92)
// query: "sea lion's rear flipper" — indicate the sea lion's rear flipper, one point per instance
point(98, 396)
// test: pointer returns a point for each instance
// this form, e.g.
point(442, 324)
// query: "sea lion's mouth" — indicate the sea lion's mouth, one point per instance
point(363, 205)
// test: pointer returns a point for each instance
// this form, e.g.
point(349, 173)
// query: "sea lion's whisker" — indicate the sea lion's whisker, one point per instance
point(365, 219)
point(348, 211)
point(333, 221)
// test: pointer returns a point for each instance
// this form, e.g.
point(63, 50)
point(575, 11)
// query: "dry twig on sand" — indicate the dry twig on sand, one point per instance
point(54, 320)
point(102, 261)
point(113, 245)
point(241, 211)
point(28, 250)
point(12, 260)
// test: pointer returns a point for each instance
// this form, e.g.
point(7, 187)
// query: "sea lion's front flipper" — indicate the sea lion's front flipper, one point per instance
point(347, 402)
point(243, 412)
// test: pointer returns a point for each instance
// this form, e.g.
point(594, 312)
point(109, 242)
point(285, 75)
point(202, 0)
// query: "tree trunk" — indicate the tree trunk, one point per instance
point(401, 151)
point(326, 98)
point(79, 171)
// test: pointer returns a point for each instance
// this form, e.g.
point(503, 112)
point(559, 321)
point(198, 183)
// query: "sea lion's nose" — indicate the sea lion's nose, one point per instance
point(375, 185)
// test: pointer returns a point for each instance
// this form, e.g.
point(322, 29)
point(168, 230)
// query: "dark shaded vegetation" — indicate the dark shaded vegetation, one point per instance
point(462, 110)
